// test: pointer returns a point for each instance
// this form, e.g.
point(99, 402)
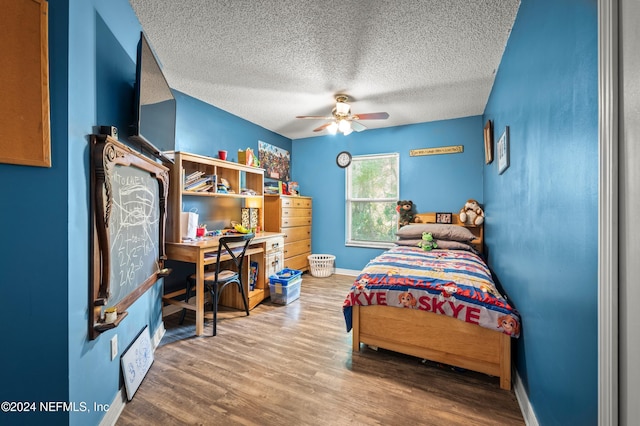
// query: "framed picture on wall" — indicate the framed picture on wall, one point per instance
point(488, 143)
point(275, 161)
point(502, 150)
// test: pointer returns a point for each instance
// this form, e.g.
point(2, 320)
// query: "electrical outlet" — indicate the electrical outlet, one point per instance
point(114, 347)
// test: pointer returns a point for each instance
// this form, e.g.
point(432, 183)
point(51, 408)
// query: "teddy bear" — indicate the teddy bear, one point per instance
point(407, 215)
point(471, 213)
point(428, 243)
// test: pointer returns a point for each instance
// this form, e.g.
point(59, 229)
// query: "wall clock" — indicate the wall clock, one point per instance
point(343, 159)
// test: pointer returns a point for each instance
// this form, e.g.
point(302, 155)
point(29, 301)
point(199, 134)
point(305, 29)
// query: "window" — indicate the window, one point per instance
point(373, 185)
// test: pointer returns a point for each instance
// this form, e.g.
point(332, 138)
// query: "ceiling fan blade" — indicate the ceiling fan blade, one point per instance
point(358, 127)
point(324, 126)
point(315, 117)
point(372, 116)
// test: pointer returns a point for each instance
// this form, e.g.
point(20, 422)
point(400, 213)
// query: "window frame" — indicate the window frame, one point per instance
point(349, 242)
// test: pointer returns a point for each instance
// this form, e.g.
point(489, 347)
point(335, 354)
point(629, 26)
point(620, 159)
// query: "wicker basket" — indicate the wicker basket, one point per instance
point(321, 264)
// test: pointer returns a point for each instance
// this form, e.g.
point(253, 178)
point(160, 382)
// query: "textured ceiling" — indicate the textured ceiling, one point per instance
point(268, 61)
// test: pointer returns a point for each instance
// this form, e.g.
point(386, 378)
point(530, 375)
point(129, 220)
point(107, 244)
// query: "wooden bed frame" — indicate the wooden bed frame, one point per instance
point(435, 337)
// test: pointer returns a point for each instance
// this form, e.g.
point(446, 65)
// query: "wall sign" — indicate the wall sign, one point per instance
point(452, 149)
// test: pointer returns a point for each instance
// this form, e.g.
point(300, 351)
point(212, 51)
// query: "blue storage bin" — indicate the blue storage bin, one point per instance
point(284, 294)
point(285, 276)
point(284, 286)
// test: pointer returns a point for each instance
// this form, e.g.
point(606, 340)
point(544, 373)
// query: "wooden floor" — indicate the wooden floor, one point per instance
point(293, 365)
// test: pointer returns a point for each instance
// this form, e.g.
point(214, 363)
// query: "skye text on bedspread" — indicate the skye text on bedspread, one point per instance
point(424, 303)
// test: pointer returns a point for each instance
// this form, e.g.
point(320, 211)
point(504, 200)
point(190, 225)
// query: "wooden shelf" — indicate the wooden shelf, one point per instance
point(218, 194)
point(104, 326)
point(213, 207)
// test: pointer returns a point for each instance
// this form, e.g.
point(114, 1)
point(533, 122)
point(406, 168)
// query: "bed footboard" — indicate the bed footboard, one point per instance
point(434, 337)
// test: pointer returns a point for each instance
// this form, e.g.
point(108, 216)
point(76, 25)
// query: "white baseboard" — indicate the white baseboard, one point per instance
point(351, 272)
point(158, 335)
point(120, 400)
point(523, 400)
point(115, 409)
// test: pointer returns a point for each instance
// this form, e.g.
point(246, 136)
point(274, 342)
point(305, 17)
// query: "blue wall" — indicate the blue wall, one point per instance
point(33, 259)
point(204, 129)
point(541, 223)
point(433, 183)
point(44, 257)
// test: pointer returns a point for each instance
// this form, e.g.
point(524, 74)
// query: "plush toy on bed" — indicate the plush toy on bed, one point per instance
point(427, 243)
point(407, 213)
point(471, 213)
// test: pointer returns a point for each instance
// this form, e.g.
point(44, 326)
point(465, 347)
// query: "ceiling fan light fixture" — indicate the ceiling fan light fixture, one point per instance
point(342, 108)
point(341, 119)
point(344, 126)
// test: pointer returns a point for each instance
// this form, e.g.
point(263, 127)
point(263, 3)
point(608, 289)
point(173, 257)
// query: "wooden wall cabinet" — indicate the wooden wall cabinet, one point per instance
point(213, 207)
point(291, 215)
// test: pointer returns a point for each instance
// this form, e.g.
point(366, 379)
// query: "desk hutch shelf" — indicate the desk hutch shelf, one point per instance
point(238, 176)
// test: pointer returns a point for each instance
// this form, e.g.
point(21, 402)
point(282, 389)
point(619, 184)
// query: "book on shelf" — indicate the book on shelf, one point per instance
point(192, 177)
point(272, 188)
point(202, 184)
point(204, 188)
point(196, 183)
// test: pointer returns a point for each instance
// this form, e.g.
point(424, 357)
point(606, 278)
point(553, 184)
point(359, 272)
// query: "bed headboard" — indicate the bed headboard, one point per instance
point(477, 230)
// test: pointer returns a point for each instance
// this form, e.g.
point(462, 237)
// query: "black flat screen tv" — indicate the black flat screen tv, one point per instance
point(155, 127)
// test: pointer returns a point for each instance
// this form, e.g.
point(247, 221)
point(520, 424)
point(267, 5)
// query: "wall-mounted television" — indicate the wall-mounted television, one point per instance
point(155, 127)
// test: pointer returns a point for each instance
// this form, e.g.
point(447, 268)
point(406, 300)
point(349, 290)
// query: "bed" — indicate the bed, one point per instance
point(441, 305)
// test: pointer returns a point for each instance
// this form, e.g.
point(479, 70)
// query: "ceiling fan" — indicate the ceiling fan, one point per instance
point(342, 120)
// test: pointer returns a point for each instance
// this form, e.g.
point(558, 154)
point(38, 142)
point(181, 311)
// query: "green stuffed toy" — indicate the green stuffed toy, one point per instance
point(427, 242)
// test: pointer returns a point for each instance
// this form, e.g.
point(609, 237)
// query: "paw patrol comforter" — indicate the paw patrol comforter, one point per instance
point(456, 283)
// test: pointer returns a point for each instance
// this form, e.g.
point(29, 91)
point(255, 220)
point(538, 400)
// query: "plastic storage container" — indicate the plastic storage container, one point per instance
point(321, 264)
point(285, 286)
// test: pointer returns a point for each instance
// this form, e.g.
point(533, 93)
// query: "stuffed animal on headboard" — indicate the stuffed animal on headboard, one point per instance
point(471, 213)
point(407, 214)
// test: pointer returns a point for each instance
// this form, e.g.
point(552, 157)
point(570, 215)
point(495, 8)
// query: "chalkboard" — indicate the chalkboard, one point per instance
point(129, 193)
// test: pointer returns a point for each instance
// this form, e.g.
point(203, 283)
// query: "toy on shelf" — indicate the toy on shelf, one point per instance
point(471, 213)
point(406, 209)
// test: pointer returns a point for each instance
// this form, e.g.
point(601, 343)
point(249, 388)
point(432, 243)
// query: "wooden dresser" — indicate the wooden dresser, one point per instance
point(291, 215)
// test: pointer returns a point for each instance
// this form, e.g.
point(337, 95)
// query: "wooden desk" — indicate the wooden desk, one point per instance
point(196, 252)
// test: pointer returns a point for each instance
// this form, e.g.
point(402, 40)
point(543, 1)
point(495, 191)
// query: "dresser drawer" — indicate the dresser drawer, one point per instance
point(294, 212)
point(295, 202)
point(296, 248)
point(274, 244)
point(296, 233)
point(302, 202)
point(295, 221)
point(300, 262)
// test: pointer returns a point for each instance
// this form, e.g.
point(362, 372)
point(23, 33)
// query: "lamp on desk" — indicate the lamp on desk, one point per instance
point(250, 213)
